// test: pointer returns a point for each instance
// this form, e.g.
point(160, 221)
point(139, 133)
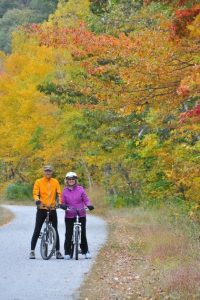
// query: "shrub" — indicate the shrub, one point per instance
point(18, 191)
point(123, 200)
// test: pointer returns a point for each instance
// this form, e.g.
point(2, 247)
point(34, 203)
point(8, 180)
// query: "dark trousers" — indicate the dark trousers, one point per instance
point(40, 218)
point(69, 222)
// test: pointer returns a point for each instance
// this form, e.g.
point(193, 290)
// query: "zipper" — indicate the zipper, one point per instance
point(49, 191)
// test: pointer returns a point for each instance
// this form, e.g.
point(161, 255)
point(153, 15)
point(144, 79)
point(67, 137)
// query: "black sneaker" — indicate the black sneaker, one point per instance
point(59, 255)
point(32, 255)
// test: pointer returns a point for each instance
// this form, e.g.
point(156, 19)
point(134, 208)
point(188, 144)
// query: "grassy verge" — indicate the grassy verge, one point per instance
point(150, 254)
point(5, 216)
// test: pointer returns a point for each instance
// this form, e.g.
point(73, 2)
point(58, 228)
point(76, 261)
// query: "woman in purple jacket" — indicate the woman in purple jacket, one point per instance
point(74, 196)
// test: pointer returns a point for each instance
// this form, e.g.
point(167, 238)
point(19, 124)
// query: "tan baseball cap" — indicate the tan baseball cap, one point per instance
point(48, 168)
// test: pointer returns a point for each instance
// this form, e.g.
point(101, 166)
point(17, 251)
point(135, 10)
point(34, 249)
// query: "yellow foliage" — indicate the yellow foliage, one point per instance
point(149, 145)
point(70, 13)
point(193, 192)
point(195, 27)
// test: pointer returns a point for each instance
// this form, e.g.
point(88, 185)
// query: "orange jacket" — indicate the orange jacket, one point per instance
point(46, 190)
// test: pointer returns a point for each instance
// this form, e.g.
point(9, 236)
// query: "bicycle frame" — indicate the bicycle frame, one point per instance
point(76, 240)
point(47, 223)
point(77, 224)
point(48, 236)
point(47, 220)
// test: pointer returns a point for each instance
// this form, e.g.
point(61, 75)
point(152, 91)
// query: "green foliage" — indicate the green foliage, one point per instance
point(61, 94)
point(125, 16)
point(18, 191)
point(7, 5)
point(15, 13)
point(99, 6)
point(123, 200)
point(8, 23)
point(43, 8)
point(35, 140)
point(103, 98)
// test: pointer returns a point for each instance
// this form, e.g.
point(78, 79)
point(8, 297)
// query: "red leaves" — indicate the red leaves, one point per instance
point(181, 2)
point(193, 113)
point(187, 14)
point(183, 18)
point(80, 40)
point(183, 91)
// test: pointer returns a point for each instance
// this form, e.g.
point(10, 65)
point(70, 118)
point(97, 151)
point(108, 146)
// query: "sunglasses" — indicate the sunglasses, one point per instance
point(72, 178)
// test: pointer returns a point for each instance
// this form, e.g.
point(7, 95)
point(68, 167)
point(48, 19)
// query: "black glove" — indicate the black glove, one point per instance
point(38, 202)
point(90, 207)
point(62, 206)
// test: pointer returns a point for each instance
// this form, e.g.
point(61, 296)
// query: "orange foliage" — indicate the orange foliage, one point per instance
point(182, 19)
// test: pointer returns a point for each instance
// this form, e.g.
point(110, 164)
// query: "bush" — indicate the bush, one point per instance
point(18, 191)
point(123, 200)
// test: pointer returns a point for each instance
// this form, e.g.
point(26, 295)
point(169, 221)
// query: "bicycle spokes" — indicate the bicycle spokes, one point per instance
point(48, 242)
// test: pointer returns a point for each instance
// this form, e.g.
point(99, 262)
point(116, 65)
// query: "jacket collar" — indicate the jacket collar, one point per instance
point(44, 178)
point(74, 187)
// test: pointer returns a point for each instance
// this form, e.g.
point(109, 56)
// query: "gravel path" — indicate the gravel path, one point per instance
point(24, 279)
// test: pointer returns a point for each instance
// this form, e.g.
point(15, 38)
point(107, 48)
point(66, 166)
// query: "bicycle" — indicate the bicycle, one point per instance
point(76, 237)
point(48, 236)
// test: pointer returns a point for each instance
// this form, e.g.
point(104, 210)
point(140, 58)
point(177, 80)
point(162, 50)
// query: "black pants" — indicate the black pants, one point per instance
point(69, 222)
point(40, 218)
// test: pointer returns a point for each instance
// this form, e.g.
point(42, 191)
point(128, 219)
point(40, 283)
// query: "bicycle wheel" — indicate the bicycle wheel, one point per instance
point(48, 243)
point(76, 243)
point(72, 249)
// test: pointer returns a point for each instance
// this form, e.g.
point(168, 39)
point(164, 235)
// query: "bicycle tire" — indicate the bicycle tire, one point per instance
point(72, 250)
point(76, 243)
point(44, 243)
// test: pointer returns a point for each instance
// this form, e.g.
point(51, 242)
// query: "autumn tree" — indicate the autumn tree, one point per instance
point(120, 104)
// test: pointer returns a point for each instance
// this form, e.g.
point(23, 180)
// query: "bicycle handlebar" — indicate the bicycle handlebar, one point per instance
point(48, 207)
point(77, 209)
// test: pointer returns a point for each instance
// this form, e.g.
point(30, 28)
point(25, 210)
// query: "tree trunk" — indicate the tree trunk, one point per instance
point(89, 177)
point(127, 178)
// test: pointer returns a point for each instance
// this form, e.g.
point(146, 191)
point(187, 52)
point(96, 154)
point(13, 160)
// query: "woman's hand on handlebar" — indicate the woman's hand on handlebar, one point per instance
point(90, 207)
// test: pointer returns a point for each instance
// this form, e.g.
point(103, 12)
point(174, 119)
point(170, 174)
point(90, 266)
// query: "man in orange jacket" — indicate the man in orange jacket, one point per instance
point(45, 191)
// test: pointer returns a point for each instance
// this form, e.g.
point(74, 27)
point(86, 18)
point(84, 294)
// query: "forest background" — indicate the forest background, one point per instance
point(110, 89)
point(107, 88)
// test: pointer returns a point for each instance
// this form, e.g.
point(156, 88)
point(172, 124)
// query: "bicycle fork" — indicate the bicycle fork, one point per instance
point(77, 224)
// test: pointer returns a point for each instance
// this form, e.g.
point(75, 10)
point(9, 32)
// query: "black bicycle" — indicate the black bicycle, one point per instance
point(48, 237)
point(76, 237)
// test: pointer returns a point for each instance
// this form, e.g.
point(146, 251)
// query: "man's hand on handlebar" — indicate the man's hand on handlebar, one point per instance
point(62, 206)
point(38, 203)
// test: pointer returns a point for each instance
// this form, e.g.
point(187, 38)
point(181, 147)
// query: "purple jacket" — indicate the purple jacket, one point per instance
point(75, 198)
